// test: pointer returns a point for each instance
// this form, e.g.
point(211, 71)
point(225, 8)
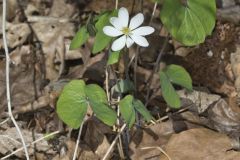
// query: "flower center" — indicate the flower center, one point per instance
point(126, 30)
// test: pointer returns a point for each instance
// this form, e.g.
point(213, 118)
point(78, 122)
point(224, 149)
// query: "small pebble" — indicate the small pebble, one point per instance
point(210, 53)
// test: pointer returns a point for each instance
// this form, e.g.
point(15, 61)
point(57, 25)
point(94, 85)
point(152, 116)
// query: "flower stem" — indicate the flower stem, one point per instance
point(116, 4)
point(78, 141)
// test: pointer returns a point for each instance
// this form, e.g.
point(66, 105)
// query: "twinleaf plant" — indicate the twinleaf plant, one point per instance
point(75, 100)
point(128, 107)
point(174, 74)
point(188, 21)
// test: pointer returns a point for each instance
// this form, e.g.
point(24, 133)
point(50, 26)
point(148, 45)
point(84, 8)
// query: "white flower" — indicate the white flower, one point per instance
point(128, 32)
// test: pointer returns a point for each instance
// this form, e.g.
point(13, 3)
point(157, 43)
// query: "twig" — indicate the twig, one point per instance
point(47, 19)
point(4, 121)
point(167, 117)
point(34, 142)
point(135, 69)
point(133, 5)
point(78, 141)
point(154, 10)
point(141, 5)
point(156, 68)
point(120, 148)
point(114, 142)
point(160, 149)
point(107, 84)
point(8, 78)
point(8, 137)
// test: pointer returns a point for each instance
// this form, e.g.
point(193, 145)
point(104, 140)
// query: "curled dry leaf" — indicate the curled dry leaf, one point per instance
point(199, 144)
point(225, 117)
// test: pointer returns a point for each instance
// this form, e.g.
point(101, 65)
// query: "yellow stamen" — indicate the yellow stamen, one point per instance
point(126, 30)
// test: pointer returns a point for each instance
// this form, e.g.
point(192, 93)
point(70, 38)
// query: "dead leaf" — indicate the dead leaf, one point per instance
point(235, 63)
point(84, 153)
point(199, 144)
point(61, 8)
point(95, 136)
point(200, 100)
point(225, 118)
point(156, 135)
point(53, 35)
point(10, 145)
point(25, 78)
point(17, 34)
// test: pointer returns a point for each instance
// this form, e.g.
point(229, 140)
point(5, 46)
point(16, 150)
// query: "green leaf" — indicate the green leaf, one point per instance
point(127, 110)
point(139, 106)
point(124, 86)
point(103, 112)
point(80, 38)
point(102, 40)
point(113, 57)
point(72, 104)
point(98, 102)
point(178, 75)
point(102, 21)
point(96, 93)
point(169, 93)
point(189, 23)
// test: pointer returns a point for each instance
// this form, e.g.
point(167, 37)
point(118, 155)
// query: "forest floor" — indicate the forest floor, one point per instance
point(39, 32)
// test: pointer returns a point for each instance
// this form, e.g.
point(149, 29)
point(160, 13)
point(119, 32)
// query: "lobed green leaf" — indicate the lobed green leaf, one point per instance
point(127, 110)
point(72, 104)
point(189, 23)
point(80, 38)
point(178, 75)
point(169, 93)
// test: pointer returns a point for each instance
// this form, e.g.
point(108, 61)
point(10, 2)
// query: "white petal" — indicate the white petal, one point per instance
point(116, 23)
point(136, 21)
point(119, 43)
point(123, 16)
point(140, 40)
point(129, 42)
point(111, 31)
point(143, 31)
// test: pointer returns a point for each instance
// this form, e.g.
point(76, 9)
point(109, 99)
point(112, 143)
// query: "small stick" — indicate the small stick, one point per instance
point(78, 141)
point(160, 149)
point(120, 148)
point(4, 121)
point(8, 137)
point(154, 10)
point(167, 117)
point(8, 94)
point(114, 142)
point(34, 142)
point(156, 65)
point(107, 84)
